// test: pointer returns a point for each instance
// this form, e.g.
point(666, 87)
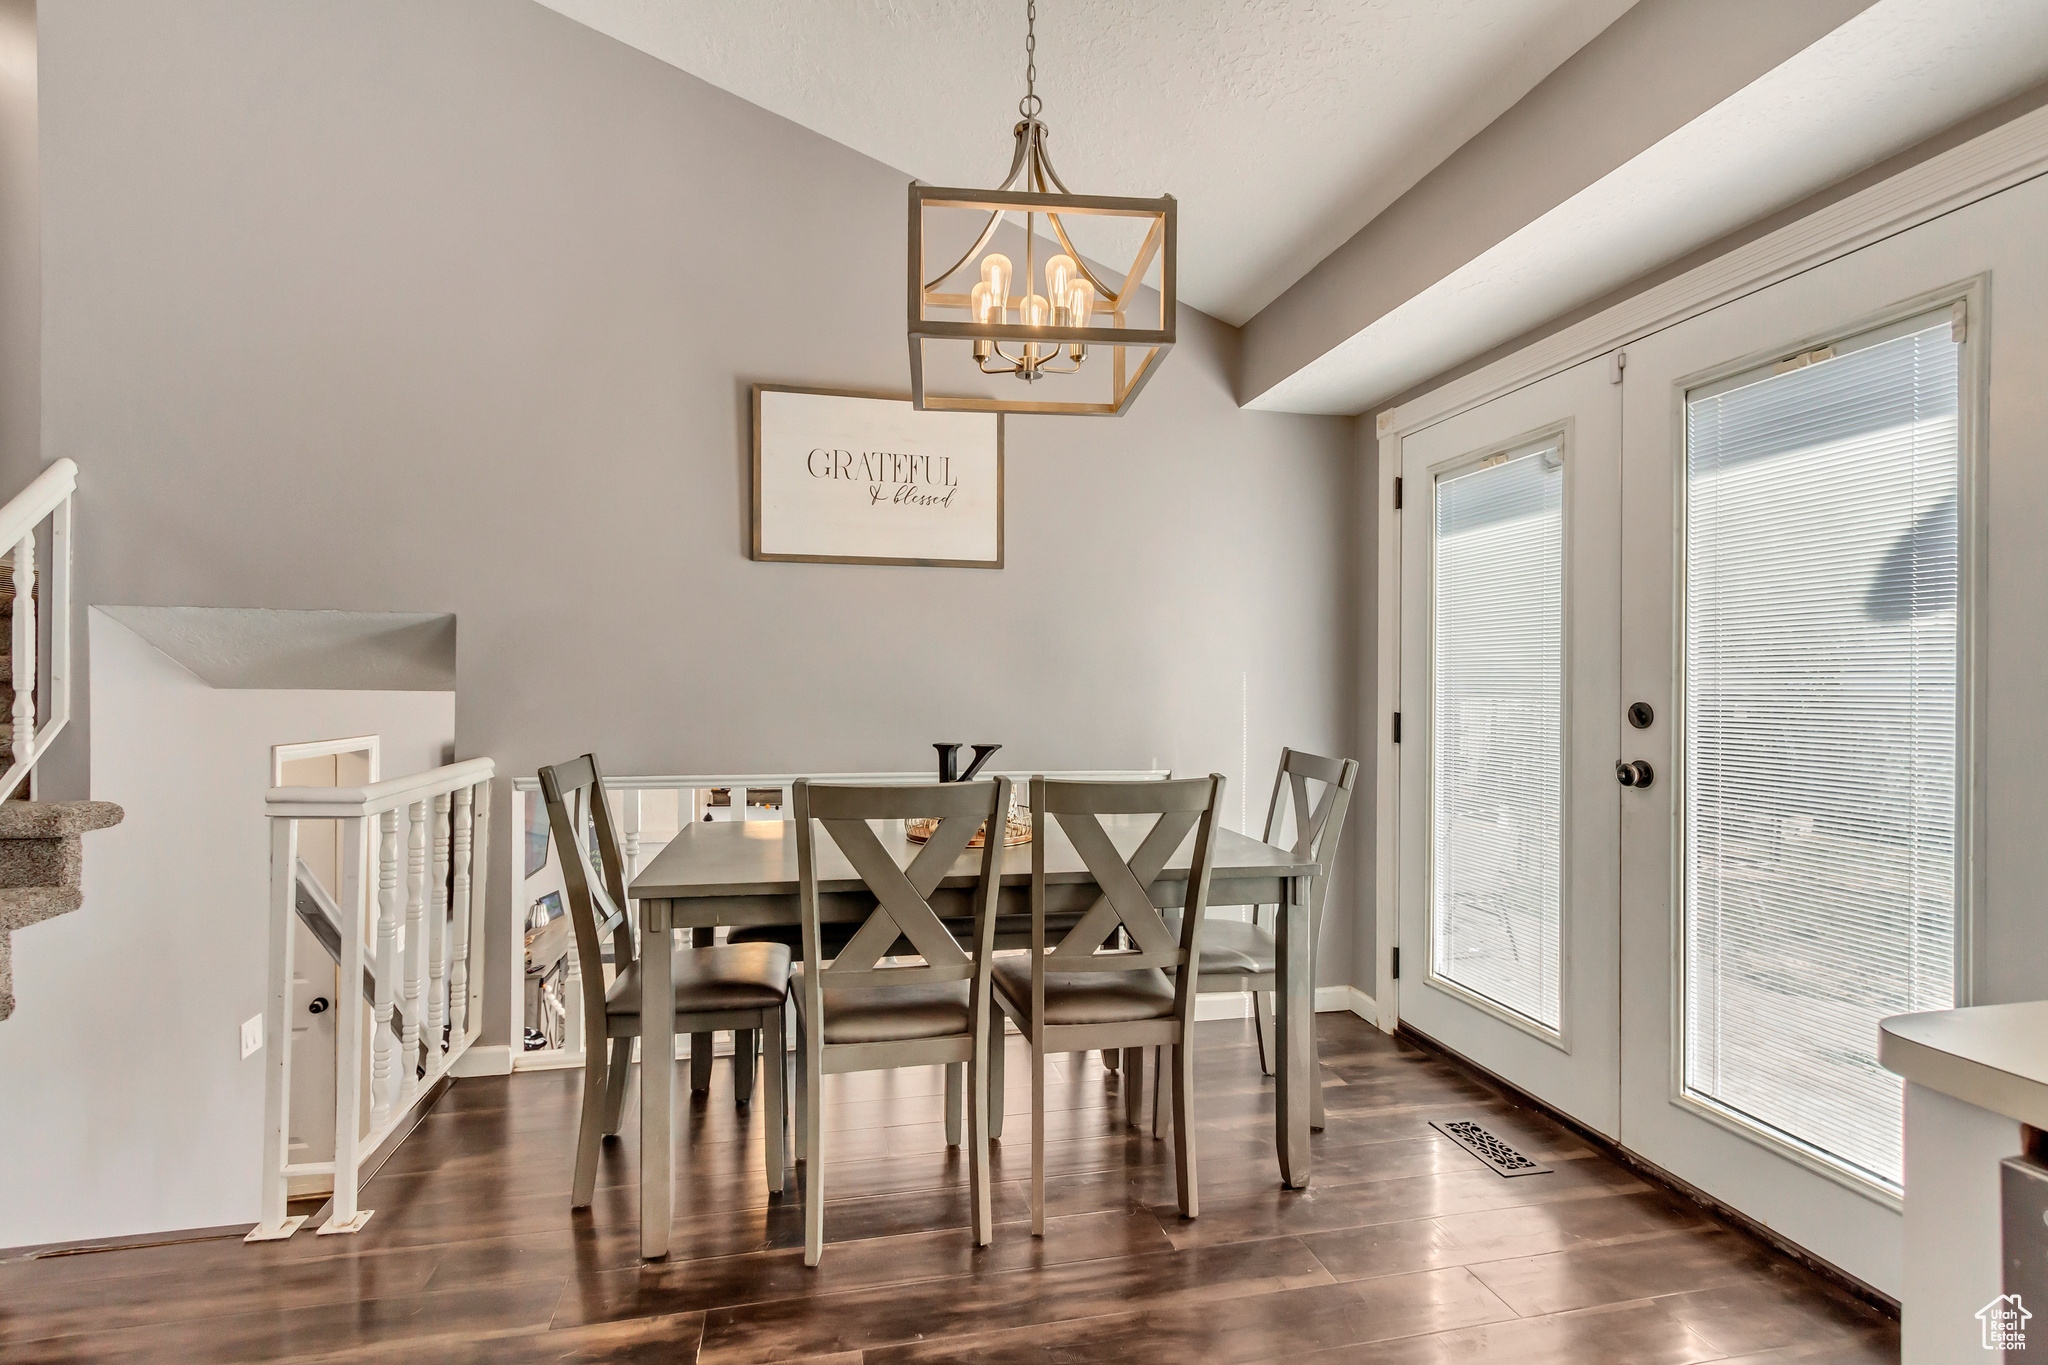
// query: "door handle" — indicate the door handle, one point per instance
point(1634, 774)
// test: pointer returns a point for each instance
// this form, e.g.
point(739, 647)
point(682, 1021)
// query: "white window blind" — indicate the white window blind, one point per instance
point(1498, 734)
point(1821, 675)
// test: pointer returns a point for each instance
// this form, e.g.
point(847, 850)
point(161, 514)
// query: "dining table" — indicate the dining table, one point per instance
point(744, 872)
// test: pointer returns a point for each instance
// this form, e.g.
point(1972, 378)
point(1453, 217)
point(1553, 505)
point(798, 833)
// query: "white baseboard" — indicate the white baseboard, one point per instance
point(1329, 1000)
point(483, 1061)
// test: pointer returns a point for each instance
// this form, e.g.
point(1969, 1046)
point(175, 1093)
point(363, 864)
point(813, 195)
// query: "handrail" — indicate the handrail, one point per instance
point(407, 920)
point(338, 803)
point(47, 496)
point(26, 509)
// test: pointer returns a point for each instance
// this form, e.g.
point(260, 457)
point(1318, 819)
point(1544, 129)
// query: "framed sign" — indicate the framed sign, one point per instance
point(864, 478)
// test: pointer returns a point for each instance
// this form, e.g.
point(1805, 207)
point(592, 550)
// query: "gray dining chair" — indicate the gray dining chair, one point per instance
point(860, 1008)
point(742, 987)
point(1082, 994)
point(1240, 955)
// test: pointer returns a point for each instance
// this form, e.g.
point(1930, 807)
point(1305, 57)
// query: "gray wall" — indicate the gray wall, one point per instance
point(20, 266)
point(453, 307)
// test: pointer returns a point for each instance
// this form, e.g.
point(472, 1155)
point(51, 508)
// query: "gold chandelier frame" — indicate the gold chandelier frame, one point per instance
point(1135, 353)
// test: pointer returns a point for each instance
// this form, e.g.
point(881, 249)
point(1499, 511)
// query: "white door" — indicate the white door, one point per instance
point(1509, 926)
point(1792, 569)
point(316, 982)
point(1803, 548)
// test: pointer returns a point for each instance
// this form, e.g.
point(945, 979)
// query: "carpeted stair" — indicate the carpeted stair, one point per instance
point(41, 860)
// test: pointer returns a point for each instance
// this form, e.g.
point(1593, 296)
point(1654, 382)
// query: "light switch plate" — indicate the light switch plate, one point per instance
point(252, 1035)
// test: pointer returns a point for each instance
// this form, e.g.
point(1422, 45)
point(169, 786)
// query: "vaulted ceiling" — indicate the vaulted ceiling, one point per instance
point(1281, 126)
point(1350, 193)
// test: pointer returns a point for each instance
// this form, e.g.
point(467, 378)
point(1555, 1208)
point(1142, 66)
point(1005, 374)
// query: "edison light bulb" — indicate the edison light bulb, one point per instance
point(1080, 305)
point(979, 306)
point(1059, 279)
point(995, 273)
point(1034, 309)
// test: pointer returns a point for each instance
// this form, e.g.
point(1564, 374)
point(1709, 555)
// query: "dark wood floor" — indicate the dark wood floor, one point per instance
point(1405, 1249)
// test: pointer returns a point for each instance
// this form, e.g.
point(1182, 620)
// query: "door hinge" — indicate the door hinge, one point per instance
point(1397, 964)
point(1397, 492)
point(1397, 727)
point(1619, 364)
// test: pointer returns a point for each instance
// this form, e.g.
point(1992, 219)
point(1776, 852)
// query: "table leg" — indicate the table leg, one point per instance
point(657, 1080)
point(700, 1043)
point(1295, 1023)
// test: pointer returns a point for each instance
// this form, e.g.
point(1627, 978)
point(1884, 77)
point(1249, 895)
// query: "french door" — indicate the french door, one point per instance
point(1693, 784)
point(1508, 859)
point(1799, 512)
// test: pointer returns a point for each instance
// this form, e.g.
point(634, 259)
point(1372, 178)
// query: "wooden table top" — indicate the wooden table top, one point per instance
point(758, 858)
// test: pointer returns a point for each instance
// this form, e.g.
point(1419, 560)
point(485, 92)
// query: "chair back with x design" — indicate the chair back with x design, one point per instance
point(1131, 889)
point(1318, 825)
point(902, 893)
point(575, 797)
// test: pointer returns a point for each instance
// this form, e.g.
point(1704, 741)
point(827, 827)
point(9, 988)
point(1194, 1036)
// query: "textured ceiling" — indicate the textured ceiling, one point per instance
point(1282, 126)
point(355, 651)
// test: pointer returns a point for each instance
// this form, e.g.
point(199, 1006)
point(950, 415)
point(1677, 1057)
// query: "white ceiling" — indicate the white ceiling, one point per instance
point(1895, 74)
point(1282, 126)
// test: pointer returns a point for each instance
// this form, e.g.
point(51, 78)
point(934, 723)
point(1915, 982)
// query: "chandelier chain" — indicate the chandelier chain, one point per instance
point(1030, 104)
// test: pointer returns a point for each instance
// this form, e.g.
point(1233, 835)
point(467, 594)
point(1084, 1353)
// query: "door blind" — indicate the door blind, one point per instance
point(1821, 675)
point(1498, 739)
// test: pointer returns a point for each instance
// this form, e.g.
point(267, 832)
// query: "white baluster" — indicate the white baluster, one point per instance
point(458, 977)
point(415, 955)
point(478, 893)
point(276, 1221)
point(629, 821)
point(388, 909)
point(57, 597)
point(437, 940)
point(630, 828)
point(572, 1002)
point(348, 1023)
point(24, 645)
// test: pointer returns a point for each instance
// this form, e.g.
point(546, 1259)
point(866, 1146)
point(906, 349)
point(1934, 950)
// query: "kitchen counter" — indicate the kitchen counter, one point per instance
point(1992, 1056)
point(1973, 1078)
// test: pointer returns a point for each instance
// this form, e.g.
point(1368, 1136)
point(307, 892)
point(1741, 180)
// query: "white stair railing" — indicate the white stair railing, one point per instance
point(47, 497)
point(428, 943)
point(638, 850)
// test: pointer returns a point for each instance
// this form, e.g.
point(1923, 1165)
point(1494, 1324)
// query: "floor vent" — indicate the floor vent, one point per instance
point(1504, 1159)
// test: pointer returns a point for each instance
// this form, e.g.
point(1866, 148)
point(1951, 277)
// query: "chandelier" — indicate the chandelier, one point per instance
point(983, 336)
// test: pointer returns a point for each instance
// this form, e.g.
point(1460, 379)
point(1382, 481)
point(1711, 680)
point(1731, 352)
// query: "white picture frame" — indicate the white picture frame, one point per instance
point(843, 476)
